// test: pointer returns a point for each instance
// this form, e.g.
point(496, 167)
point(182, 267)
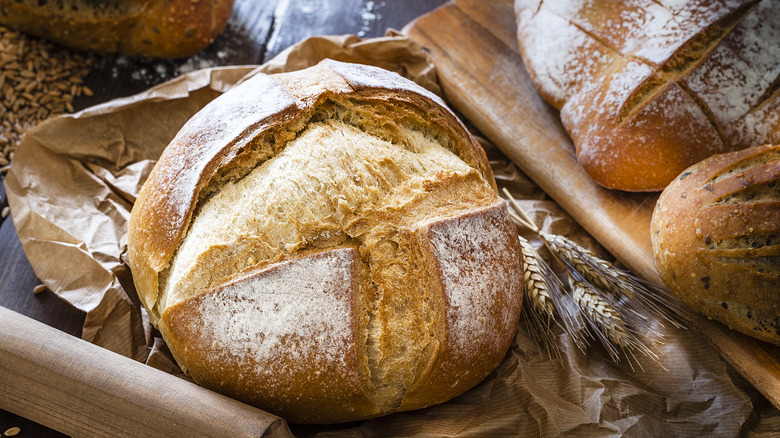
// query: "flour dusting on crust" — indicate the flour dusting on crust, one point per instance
point(738, 74)
point(470, 251)
point(300, 308)
point(725, 55)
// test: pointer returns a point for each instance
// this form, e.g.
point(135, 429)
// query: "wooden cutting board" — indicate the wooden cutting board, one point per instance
point(477, 58)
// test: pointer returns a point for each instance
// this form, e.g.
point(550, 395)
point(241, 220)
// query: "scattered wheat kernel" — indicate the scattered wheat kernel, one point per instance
point(39, 289)
point(29, 72)
point(13, 431)
point(6, 212)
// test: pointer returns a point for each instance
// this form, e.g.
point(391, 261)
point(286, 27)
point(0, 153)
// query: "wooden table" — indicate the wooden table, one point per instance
point(257, 31)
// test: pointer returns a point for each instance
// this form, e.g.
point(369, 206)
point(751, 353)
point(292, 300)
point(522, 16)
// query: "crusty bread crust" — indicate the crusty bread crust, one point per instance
point(716, 239)
point(310, 363)
point(328, 245)
point(220, 142)
point(646, 88)
point(151, 28)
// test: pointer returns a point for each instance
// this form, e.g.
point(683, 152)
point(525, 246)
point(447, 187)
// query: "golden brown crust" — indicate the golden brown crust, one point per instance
point(307, 359)
point(317, 374)
point(217, 136)
point(212, 138)
point(328, 245)
point(151, 28)
point(290, 337)
point(646, 89)
point(474, 340)
point(716, 239)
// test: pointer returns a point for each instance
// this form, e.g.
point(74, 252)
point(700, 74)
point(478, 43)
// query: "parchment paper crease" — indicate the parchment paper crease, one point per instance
point(73, 183)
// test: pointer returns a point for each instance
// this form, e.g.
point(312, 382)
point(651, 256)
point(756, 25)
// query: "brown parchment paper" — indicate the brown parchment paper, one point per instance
point(74, 180)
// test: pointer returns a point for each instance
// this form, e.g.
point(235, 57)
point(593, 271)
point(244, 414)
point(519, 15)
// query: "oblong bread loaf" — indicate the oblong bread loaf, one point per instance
point(646, 88)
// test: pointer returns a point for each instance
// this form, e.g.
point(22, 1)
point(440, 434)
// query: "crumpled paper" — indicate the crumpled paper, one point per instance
point(75, 178)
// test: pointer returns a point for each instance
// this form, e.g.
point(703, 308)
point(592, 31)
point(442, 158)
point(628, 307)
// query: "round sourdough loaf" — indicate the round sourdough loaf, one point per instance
point(716, 239)
point(328, 245)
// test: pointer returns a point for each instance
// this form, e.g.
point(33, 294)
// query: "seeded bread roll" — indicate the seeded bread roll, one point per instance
point(151, 28)
point(716, 239)
point(328, 245)
point(647, 88)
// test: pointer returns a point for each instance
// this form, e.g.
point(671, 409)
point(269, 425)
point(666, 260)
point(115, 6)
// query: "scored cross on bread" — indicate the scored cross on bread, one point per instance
point(646, 88)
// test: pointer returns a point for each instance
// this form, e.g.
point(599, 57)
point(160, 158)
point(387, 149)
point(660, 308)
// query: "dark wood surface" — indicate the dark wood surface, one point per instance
point(257, 31)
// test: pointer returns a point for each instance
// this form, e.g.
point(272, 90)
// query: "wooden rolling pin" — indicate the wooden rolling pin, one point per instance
point(80, 389)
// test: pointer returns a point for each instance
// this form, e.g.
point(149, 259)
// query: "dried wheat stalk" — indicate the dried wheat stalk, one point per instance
point(614, 304)
point(553, 291)
point(537, 279)
point(602, 316)
point(647, 298)
point(545, 292)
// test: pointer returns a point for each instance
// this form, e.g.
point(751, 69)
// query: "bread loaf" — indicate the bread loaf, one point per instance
point(646, 88)
point(151, 28)
point(716, 239)
point(328, 245)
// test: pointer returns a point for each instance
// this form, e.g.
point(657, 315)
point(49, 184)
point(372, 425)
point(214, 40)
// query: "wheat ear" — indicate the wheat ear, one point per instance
point(614, 328)
point(645, 297)
point(605, 295)
point(546, 300)
point(605, 321)
point(538, 311)
point(537, 279)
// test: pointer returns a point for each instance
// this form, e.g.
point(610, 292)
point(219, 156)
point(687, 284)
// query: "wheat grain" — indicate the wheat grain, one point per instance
point(12, 431)
point(536, 280)
point(37, 80)
point(601, 312)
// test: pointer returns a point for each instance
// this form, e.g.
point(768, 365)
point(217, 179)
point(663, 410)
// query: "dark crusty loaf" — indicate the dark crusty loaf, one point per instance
point(151, 28)
point(716, 239)
point(328, 245)
point(646, 88)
